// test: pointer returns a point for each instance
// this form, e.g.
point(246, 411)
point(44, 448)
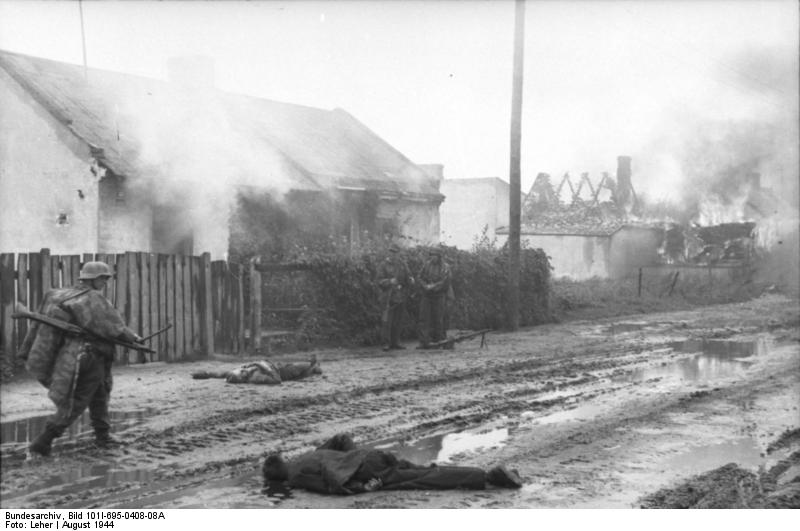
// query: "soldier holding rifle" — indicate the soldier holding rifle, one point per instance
point(76, 367)
point(434, 281)
point(394, 280)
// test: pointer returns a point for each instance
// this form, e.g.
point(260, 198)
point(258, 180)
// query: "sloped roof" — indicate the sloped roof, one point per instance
point(315, 148)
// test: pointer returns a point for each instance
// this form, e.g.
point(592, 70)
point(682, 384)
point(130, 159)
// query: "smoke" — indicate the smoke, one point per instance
point(706, 155)
point(199, 148)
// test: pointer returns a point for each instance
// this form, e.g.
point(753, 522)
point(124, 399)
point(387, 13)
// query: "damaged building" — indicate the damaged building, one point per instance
point(588, 228)
point(95, 161)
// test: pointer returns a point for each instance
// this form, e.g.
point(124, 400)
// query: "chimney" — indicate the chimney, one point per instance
point(191, 71)
point(624, 186)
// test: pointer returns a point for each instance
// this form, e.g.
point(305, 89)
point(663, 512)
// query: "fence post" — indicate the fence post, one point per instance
point(22, 294)
point(7, 341)
point(46, 271)
point(639, 290)
point(240, 324)
point(206, 312)
point(255, 309)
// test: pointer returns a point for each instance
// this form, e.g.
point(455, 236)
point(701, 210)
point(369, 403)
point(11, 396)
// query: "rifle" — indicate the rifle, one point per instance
point(451, 341)
point(76, 330)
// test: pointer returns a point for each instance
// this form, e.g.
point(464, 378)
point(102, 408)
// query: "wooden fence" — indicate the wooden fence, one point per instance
point(204, 300)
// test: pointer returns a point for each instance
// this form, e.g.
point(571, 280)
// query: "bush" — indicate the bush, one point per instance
point(344, 285)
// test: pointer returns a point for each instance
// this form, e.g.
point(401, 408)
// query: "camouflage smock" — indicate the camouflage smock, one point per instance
point(52, 355)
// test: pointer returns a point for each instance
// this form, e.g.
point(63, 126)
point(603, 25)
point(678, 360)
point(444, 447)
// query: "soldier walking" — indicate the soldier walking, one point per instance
point(76, 369)
point(394, 280)
point(434, 281)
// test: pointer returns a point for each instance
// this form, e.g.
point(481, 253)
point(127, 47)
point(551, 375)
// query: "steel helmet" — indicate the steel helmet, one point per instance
point(92, 270)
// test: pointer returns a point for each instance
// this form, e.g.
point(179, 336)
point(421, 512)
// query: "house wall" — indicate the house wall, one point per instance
point(470, 206)
point(125, 218)
point(632, 248)
point(575, 257)
point(417, 220)
point(42, 168)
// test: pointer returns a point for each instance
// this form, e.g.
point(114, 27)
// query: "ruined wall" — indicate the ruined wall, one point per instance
point(575, 257)
point(631, 248)
point(417, 220)
point(48, 195)
point(471, 205)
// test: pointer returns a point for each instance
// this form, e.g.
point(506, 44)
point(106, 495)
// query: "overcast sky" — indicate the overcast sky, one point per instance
point(433, 78)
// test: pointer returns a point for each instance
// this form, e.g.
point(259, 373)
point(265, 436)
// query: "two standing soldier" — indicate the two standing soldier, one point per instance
point(395, 282)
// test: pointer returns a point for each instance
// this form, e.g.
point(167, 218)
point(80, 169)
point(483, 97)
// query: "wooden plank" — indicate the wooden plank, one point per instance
point(179, 332)
point(22, 294)
point(163, 318)
point(207, 311)
point(66, 271)
point(273, 267)
point(121, 298)
point(227, 310)
point(75, 269)
point(170, 301)
point(35, 280)
point(155, 324)
point(134, 299)
point(144, 268)
point(110, 259)
point(255, 309)
point(216, 306)
point(234, 302)
point(7, 299)
point(197, 325)
point(55, 271)
point(47, 282)
point(240, 348)
point(187, 306)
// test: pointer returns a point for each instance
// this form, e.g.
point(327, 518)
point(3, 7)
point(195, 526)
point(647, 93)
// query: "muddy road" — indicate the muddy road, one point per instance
point(592, 414)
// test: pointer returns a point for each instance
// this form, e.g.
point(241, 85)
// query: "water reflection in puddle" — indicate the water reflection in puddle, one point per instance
point(86, 477)
point(716, 359)
point(443, 447)
point(579, 413)
point(743, 451)
point(23, 431)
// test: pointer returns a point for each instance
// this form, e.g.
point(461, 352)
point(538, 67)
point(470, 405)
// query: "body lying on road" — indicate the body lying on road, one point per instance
point(339, 467)
point(264, 372)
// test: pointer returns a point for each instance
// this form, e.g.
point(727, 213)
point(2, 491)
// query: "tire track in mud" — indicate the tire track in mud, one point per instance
point(412, 407)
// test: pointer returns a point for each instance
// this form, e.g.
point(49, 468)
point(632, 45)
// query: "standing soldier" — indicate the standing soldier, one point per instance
point(434, 280)
point(394, 280)
point(76, 369)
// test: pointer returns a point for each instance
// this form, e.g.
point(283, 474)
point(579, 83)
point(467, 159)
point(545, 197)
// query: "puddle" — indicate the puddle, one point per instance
point(743, 451)
point(86, 477)
point(23, 431)
point(443, 447)
point(579, 413)
point(242, 491)
point(715, 359)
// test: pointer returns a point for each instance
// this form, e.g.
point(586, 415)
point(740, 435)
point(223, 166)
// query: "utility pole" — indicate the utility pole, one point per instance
point(83, 43)
point(514, 170)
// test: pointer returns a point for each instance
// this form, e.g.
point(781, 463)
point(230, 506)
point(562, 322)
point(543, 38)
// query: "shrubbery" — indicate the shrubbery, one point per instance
point(343, 285)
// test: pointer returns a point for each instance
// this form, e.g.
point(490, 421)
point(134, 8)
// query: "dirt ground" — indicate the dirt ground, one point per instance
point(606, 414)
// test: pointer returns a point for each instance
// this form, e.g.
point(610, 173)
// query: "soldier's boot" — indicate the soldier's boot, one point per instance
point(43, 444)
point(103, 439)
